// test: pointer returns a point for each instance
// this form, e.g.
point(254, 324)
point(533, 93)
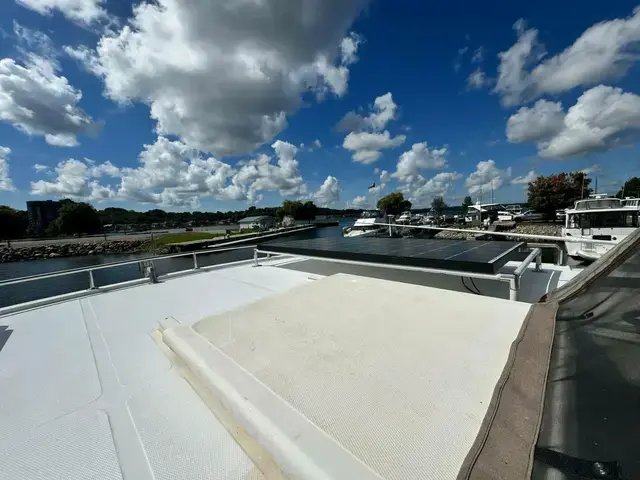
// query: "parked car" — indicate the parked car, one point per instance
point(561, 215)
point(529, 216)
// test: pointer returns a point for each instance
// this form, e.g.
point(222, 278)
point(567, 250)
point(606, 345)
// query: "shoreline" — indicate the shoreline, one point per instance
point(75, 249)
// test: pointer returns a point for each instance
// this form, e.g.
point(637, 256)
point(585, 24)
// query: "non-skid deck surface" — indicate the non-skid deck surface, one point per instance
point(463, 255)
point(87, 393)
point(399, 375)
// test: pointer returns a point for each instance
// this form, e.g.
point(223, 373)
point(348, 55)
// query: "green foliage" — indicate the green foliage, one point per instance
point(561, 190)
point(297, 210)
point(75, 218)
point(631, 188)
point(393, 204)
point(467, 202)
point(13, 223)
point(438, 205)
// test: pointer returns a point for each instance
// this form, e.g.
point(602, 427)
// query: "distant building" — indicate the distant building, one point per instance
point(41, 213)
point(263, 222)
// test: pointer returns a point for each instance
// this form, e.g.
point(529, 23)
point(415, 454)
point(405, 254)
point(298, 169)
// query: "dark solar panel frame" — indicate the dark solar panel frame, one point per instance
point(476, 256)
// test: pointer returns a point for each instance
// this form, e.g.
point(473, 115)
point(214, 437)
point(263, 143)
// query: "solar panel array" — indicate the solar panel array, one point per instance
point(464, 255)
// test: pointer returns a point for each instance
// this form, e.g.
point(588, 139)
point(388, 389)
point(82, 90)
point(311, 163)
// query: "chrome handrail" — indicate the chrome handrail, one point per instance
point(91, 269)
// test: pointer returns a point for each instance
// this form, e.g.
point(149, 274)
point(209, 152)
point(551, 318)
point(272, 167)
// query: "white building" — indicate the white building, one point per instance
point(262, 222)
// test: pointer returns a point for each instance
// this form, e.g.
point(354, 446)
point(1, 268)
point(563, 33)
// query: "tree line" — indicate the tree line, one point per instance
point(77, 218)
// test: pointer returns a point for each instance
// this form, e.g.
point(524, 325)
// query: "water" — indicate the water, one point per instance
point(24, 292)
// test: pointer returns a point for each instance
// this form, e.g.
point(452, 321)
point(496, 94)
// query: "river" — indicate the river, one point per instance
point(24, 292)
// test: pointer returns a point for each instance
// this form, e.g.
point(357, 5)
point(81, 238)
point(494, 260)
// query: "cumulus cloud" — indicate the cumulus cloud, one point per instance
point(224, 79)
point(420, 157)
point(37, 101)
point(359, 202)
point(367, 146)
point(486, 177)
point(328, 193)
point(385, 178)
point(542, 121)
point(437, 186)
point(602, 52)
point(478, 55)
point(383, 111)
point(602, 119)
point(477, 79)
point(526, 179)
point(171, 173)
point(5, 181)
point(83, 12)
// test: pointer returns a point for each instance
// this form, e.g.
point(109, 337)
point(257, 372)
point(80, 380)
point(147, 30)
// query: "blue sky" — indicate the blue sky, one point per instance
point(224, 104)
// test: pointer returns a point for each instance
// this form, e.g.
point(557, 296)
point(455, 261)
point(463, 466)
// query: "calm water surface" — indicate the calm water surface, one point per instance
point(24, 292)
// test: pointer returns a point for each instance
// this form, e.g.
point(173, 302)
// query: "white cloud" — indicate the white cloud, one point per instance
point(420, 157)
point(33, 41)
point(477, 79)
point(316, 144)
point(478, 55)
point(486, 177)
point(5, 181)
point(602, 52)
point(540, 122)
point(74, 179)
point(383, 111)
point(172, 174)
point(37, 101)
point(437, 186)
point(376, 171)
point(385, 178)
point(602, 119)
point(592, 169)
point(526, 179)
point(224, 79)
point(367, 146)
point(328, 193)
point(40, 168)
point(359, 202)
point(83, 12)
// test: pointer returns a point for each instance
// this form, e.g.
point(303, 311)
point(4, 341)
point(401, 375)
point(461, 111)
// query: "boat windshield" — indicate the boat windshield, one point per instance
point(371, 214)
point(593, 204)
point(619, 219)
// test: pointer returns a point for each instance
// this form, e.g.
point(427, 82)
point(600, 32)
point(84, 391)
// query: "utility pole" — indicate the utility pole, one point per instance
point(492, 190)
point(582, 190)
point(596, 187)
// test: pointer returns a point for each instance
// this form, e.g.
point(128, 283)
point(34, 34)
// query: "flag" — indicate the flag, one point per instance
point(373, 185)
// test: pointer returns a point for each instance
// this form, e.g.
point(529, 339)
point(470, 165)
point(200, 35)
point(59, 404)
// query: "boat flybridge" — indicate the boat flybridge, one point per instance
point(599, 217)
point(330, 358)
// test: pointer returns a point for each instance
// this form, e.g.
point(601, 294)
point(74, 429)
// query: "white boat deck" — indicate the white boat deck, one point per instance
point(89, 390)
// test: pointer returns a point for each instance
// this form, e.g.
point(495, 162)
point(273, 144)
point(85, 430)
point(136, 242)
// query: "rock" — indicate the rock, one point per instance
point(54, 255)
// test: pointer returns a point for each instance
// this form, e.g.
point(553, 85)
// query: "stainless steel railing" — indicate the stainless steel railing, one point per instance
point(93, 268)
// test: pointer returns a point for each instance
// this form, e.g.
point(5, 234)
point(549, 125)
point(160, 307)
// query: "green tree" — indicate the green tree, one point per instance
point(76, 218)
point(309, 211)
point(561, 190)
point(393, 204)
point(13, 223)
point(467, 202)
point(631, 188)
point(438, 205)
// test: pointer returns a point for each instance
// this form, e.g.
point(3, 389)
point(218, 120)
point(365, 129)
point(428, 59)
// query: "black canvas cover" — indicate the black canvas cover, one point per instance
point(568, 403)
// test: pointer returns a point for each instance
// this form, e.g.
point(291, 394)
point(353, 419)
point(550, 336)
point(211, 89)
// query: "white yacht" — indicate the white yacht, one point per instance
point(631, 202)
point(328, 359)
point(367, 225)
point(598, 217)
point(405, 217)
point(482, 214)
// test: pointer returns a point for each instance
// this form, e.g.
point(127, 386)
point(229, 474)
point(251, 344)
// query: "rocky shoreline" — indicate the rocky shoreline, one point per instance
point(548, 229)
point(56, 250)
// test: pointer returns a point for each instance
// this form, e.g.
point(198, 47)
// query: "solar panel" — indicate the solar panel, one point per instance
point(464, 255)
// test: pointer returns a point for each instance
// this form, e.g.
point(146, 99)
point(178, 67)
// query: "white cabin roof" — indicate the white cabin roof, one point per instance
point(91, 387)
